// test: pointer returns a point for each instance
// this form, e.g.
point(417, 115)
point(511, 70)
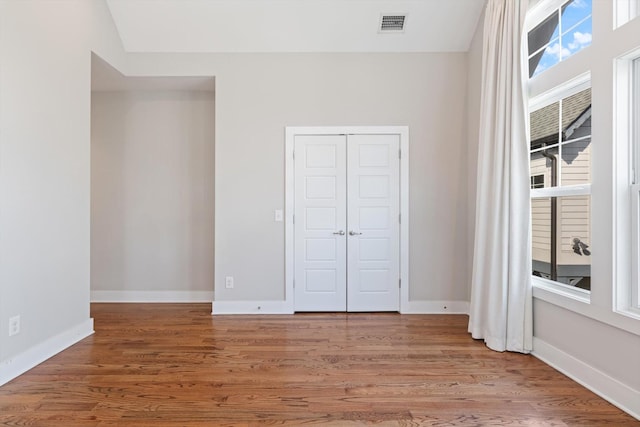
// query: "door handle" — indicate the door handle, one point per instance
point(354, 233)
point(339, 233)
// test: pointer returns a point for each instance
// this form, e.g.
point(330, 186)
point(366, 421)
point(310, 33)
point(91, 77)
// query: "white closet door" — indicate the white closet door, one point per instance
point(373, 194)
point(320, 223)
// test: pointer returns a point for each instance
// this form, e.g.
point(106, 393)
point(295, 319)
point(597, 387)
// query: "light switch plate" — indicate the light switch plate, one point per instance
point(278, 215)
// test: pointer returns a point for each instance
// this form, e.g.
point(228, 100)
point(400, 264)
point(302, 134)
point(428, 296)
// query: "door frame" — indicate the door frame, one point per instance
point(290, 134)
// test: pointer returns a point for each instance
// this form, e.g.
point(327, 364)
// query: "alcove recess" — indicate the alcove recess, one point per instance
point(152, 187)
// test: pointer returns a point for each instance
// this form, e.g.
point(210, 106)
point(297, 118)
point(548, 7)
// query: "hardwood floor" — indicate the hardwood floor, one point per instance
point(176, 365)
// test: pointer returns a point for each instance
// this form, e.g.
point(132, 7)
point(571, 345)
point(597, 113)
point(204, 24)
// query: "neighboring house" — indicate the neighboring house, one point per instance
point(566, 161)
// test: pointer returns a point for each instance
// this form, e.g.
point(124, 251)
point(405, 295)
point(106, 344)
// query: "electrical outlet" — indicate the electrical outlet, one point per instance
point(228, 282)
point(14, 325)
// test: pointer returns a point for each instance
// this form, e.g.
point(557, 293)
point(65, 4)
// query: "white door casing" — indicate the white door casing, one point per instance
point(346, 239)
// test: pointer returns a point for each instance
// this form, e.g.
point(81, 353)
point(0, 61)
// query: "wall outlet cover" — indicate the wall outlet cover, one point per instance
point(14, 325)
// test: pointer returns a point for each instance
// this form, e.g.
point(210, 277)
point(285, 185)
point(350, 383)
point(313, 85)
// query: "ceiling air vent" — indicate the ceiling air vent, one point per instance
point(392, 23)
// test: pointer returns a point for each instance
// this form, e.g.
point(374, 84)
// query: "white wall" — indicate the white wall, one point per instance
point(257, 95)
point(616, 352)
point(45, 57)
point(474, 82)
point(152, 195)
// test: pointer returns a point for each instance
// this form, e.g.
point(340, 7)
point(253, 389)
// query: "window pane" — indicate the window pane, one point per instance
point(576, 115)
point(545, 34)
point(576, 39)
point(541, 237)
point(635, 133)
point(544, 133)
point(545, 124)
point(635, 118)
point(574, 260)
point(550, 57)
point(542, 34)
point(576, 129)
point(561, 240)
point(574, 12)
point(576, 162)
point(534, 64)
point(544, 163)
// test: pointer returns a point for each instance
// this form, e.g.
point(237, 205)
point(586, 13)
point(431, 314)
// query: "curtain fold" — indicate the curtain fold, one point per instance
point(501, 298)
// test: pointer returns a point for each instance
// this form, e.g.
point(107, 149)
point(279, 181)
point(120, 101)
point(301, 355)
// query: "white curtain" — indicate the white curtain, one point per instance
point(500, 310)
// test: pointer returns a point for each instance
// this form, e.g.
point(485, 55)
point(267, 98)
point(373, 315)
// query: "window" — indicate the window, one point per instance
point(560, 162)
point(562, 33)
point(537, 181)
point(635, 183)
point(625, 11)
point(585, 211)
point(627, 182)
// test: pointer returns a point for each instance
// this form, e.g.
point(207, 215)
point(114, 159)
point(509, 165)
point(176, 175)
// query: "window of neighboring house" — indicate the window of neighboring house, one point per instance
point(562, 33)
point(560, 162)
point(537, 181)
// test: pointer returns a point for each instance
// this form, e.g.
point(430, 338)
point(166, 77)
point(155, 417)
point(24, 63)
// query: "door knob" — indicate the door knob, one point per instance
point(354, 233)
point(339, 233)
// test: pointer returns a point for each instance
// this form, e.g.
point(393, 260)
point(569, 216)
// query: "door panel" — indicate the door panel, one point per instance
point(320, 212)
point(373, 194)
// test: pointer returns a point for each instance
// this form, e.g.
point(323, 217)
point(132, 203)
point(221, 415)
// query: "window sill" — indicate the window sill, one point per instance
point(632, 313)
point(563, 296)
point(579, 302)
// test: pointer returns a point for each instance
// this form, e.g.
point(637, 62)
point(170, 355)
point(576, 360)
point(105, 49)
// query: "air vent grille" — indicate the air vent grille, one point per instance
point(392, 23)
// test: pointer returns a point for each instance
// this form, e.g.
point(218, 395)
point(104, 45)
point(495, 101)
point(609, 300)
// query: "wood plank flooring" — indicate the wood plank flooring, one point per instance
point(176, 365)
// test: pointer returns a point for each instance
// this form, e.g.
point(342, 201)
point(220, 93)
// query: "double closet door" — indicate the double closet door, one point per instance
point(346, 223)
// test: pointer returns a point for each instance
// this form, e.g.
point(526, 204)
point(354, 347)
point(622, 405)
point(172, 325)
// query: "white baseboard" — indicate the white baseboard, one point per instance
point(18, 365)
point(436, 307)
point(251, 307)
point(151, 296)
point(610, 389)
point(283, 307)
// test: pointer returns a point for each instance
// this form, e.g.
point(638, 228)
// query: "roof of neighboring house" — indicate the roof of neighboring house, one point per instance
point(576, 109)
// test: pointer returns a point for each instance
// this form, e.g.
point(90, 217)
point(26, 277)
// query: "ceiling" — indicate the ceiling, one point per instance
point(293, 25)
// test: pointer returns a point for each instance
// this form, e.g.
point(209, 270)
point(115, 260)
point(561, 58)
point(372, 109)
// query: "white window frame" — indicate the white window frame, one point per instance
point(556, 94)
point(634, 110)
point(627, 158)
point(625, 11)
